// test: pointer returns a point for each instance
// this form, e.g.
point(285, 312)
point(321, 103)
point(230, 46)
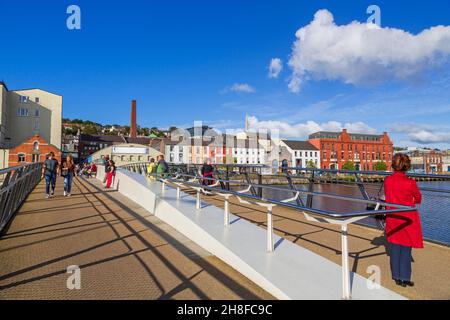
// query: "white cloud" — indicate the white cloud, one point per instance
point(359, 54)
point(275, 67)
point(423, 133)
point(302, 130)
point(240, 87)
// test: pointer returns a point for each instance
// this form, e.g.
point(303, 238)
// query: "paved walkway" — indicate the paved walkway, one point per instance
point(368, 247)
point(123, 253)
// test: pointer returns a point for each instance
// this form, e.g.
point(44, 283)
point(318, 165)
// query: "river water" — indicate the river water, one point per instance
point(434, 210)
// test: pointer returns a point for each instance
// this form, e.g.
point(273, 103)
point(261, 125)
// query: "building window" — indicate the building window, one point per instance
point(35, 158)
point(36, 100)
point(36, 145)
point(36, 112)
point(21, 157)
point(22, 112)
point(24, 99)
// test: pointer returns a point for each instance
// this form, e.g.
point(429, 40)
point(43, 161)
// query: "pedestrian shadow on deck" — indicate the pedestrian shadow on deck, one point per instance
point(234, 286)
point(93, 198)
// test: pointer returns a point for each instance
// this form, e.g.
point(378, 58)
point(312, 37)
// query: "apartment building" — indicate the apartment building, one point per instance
point(364, 150)
point(25, 114)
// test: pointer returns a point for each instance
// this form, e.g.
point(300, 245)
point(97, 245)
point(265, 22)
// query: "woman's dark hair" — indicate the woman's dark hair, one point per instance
point(401, 162)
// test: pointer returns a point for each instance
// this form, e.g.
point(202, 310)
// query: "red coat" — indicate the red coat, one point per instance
point(403, 228)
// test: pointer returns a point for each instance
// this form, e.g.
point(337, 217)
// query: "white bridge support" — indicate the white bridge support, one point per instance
point(288, 271)
point(345, 269)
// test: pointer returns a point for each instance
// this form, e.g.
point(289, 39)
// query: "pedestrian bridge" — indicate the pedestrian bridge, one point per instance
point(147, 239)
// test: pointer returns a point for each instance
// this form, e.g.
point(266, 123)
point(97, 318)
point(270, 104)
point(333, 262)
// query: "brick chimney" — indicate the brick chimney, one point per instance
point(162, 146)
point(133, 129)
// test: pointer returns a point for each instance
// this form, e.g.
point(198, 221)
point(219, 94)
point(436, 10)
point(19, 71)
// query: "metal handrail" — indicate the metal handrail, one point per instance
point(320, 194)
point(380, 173)
point(17, 184)
point(323, 213)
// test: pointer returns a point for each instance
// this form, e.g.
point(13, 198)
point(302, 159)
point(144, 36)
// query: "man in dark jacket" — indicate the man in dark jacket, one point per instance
point(49, 172)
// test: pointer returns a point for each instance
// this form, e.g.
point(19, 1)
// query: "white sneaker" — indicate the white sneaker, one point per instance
point(68, 194)
point(65, 194)
point(47, 196)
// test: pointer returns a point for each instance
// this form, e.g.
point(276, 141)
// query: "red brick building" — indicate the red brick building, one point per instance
point(364, 150)
point(32, 150)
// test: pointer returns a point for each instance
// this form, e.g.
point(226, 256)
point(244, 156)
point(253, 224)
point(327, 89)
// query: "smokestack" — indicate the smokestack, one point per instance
point(133, 129)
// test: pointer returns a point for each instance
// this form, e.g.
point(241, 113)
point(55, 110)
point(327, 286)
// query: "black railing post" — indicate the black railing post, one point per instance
point(309, 198)
point(260, 182)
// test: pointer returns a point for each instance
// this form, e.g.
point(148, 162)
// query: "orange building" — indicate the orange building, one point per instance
point(33, 149)
point(364, 150)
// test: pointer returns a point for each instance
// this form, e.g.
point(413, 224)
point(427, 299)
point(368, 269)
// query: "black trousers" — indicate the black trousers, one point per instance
point(401, 259)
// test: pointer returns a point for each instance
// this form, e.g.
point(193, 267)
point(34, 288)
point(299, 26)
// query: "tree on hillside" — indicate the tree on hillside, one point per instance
point(380, 166)
point(90, 130)
point(348, 165)
point(70, 131)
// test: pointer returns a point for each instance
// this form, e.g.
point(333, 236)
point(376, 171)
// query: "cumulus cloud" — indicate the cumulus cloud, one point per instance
point(423, 133)
point(361, 53)
point(302, 130)
point(240, 87)
point(275, 67)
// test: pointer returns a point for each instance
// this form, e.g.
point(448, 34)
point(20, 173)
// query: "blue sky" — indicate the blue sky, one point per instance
point(187, 60)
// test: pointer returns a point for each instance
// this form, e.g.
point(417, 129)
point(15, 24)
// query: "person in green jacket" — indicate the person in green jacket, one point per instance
point(162, 168)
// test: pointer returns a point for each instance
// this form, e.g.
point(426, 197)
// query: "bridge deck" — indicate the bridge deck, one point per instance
point(123, 253)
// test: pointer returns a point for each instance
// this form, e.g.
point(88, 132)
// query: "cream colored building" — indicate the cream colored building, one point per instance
point(25, 113)
point(126, 153)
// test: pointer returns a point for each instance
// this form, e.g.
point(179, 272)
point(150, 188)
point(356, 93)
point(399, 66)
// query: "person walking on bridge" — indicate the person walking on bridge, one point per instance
point(49, 172)
point(162, 168)
point(403, 230)
point(151, 169)
point(111, 174)
point(106, 164)
point(67, 172)
point(207, 171)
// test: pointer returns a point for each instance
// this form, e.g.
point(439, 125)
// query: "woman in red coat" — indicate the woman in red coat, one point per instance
point(403, 230)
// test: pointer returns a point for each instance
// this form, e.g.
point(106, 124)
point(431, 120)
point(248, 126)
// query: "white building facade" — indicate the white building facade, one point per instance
point(177, 153)
point(302, 153)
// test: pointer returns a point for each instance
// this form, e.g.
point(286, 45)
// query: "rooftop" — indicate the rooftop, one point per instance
point(299, 145)
point(353, 136)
